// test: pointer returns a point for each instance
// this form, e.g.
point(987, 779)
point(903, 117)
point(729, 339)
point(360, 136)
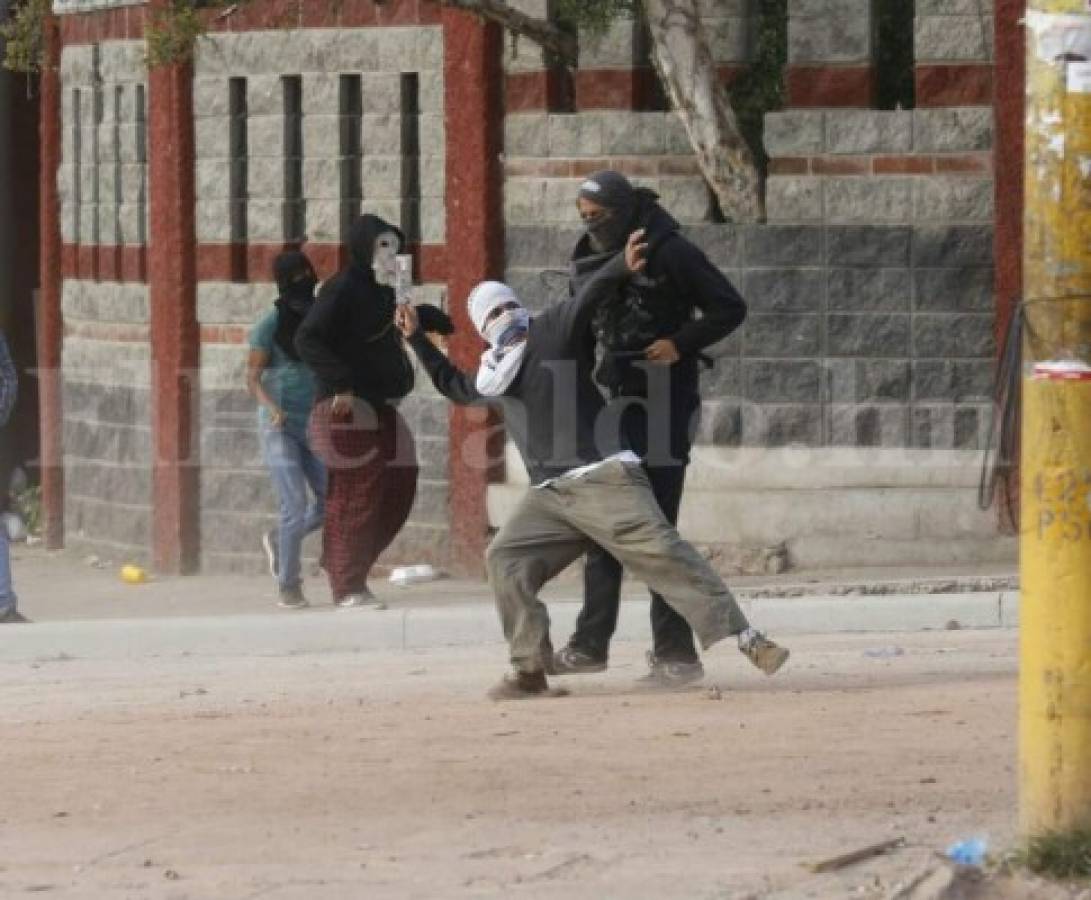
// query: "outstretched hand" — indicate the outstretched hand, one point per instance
point(635, 250)
point(407, 320)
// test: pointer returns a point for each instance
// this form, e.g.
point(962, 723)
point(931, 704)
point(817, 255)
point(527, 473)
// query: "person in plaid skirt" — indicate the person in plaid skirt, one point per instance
point(349, 341)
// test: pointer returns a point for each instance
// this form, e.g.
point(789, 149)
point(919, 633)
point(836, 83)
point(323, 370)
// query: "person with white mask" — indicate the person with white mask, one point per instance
point(584, 491)
point(349, 341)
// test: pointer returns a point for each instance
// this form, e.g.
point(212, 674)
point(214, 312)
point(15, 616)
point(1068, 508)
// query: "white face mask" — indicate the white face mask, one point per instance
point(384, 261)
point(506, 329)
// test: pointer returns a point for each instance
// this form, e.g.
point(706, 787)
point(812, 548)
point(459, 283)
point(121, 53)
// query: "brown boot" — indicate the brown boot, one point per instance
point(521, 685)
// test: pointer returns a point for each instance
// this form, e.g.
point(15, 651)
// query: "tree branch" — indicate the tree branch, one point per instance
point(548, 36)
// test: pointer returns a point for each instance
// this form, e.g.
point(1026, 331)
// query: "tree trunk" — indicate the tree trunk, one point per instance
point(684, 62)
point(564, 45)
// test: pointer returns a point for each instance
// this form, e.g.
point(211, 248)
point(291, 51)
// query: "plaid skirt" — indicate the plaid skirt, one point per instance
point(371, 465)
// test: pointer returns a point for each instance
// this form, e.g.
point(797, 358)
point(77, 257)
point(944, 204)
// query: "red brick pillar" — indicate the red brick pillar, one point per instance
point(1010, 113)
point(1009, 105)
point(174, 334)
point(50, 321)
point(473, 96)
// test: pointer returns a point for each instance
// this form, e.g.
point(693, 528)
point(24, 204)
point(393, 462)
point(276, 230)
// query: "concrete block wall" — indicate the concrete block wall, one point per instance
point(865, 366)
point(320, 56)
point(73, 6)
point(108, 453)
point(547, 156)
point(615, 70)
point(830, 32)
point(237, 500)
point(896, 208)
point(953, 49)
point(947, 31)
point(102, 182)
point(102, 179)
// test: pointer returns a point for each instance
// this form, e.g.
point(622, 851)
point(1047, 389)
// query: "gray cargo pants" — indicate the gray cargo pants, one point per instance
point(612, 506)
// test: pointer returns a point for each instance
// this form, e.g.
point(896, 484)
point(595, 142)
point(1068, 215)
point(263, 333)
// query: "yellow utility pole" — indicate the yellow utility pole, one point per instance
point(1055, 530)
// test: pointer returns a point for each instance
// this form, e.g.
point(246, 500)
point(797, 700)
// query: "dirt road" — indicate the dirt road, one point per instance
point(388, 775)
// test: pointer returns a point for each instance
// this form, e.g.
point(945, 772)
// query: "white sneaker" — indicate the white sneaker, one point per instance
point(359, 600)
point(272, 555)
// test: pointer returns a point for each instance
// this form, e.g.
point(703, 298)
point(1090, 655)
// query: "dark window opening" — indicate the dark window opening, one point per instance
point(759, 89)
point(649, 91)
point(142, 159)
point(295, 211)
point(894, 53)
point(77, 164)
point(351, 107)
point(238, 188)
point(411, 200)
point(560, 80)
point(119, 194)
point(98, 103)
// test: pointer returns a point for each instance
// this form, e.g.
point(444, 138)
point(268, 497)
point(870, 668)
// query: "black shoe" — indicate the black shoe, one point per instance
point(574, 661)
point(524, 685)
point(671, 673)
point(13, 617)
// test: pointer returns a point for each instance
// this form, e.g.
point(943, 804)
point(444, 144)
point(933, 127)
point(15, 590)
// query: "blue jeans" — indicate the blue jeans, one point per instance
point(8, 600)
point(293, 467)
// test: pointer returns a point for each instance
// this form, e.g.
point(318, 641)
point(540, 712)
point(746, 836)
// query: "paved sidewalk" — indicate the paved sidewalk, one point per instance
point(62, 585)
point(81, 611)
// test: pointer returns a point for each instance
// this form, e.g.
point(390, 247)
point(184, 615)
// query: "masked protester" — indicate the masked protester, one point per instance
point(582, 494)
point(9, 386)
point(284, 388)
point(649, 340)
point(349, 341)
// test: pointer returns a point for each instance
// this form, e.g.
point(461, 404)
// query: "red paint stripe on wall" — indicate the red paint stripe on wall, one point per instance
point(127, 22)
point(969, 84)
point(838, 86)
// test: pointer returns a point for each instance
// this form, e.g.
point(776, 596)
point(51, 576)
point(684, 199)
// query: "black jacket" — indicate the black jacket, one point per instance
point(660, 302)
point(349, 339)
point(552, 408)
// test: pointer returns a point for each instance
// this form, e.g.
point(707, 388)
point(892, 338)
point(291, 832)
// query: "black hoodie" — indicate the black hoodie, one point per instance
point(660, 302)
point(348, 338)
point(296, 281)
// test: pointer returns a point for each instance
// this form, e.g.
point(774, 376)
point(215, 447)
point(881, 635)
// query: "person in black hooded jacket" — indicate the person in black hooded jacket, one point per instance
point(349, 341)
point(284, 389)
point(649, 339)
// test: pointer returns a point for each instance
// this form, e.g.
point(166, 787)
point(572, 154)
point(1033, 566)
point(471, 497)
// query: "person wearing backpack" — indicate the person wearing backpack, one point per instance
point(648, 337)
point(349, 341)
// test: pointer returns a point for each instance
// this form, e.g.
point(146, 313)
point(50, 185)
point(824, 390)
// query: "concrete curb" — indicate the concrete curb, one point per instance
point(362, 630)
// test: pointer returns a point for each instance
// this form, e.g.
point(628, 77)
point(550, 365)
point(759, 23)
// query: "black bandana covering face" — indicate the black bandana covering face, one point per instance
point(618, 201)
point(296, 280)
point(608, 231)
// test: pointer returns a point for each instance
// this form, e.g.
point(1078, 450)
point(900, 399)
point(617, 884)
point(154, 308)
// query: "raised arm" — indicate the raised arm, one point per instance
point(575, 315)
point(452, 382)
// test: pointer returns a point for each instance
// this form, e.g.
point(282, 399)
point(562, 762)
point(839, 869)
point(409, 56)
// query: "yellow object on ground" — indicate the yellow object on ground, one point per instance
point(133, 575)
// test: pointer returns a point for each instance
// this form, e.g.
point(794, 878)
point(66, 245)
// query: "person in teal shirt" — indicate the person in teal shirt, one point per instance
point(284, 388)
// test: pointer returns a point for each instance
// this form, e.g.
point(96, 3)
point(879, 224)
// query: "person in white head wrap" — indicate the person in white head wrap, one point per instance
point(537, 370)
point(503, 322)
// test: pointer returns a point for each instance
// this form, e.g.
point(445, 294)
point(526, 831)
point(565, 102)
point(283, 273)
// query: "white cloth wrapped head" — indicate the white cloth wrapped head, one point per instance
point(503, 321)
